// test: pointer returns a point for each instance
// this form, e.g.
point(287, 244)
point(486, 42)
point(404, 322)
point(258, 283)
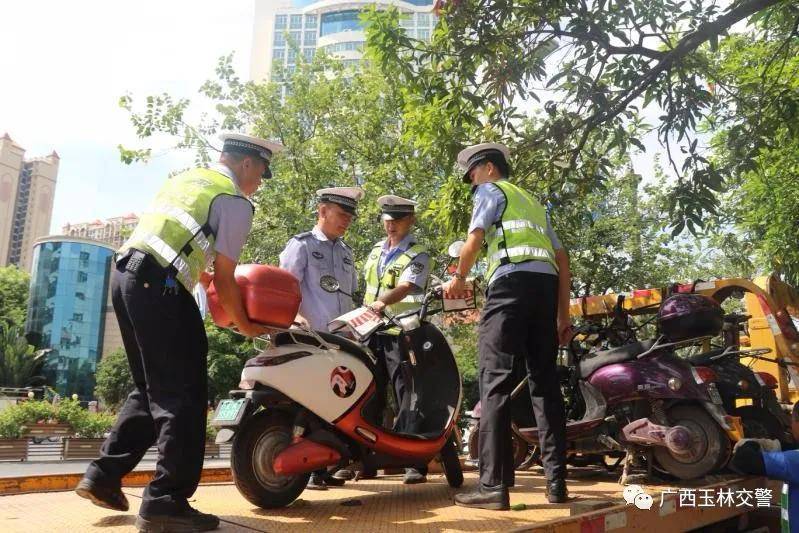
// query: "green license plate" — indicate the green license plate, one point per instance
point(229, 411)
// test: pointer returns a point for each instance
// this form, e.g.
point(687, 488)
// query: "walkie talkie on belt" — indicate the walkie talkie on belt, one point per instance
point(135, 261)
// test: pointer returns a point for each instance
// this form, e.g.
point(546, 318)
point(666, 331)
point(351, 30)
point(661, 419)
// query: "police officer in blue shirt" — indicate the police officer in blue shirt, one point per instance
point(525, 313)
point(396, 273)
point(322, 252)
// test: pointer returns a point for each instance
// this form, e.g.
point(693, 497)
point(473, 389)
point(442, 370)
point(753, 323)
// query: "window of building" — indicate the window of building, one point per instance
point(422, 19)
point(310, 37)
point(80, 296)
point(423, 34)
point(411, 33)
point(83, 277)
point(307, 54)
point(291, 56)
point(340, 21)
point(310, 21)
point(295, 37)
point(280, 22)
point(296, 22)
point(278, 54)
point(77, 317)
point(280, 38)
point(406, 21)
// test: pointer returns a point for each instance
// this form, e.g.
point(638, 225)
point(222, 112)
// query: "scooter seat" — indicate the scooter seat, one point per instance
point(597, 360)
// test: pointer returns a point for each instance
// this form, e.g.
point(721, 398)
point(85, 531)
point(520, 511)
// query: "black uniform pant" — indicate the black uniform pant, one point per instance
point(394, 369)
point(167, 349)
point(519, 322)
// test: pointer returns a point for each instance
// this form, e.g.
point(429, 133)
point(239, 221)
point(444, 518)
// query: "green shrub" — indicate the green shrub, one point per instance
point(16, 418)
point(94, 425)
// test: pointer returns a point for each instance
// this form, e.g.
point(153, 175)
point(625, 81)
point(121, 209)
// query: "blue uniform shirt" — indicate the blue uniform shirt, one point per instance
point(785, 467)
point(416, 272)
point(311, 255)
point(488, 205)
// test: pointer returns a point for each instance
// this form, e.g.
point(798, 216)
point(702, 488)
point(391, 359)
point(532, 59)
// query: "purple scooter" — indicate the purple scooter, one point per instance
point(641, 400)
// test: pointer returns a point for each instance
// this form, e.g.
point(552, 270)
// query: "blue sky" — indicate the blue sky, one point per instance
point(72, 61)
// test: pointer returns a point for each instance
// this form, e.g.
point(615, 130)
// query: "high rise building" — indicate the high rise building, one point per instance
point(111, 231)
point(27, 189)
point(332, 25)
point(70, 311)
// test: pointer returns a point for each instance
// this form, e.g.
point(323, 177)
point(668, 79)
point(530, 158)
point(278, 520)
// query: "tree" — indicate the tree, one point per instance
point(227, 353)
point(602, 63)
point(113, 379)
point(20, 366)
point(14, 287)
point(758, 142)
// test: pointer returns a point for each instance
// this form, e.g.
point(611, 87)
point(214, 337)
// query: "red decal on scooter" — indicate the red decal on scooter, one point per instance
point(342, 381)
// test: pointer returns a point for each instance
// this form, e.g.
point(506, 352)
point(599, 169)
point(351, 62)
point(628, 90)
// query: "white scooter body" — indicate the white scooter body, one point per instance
point(327, 382)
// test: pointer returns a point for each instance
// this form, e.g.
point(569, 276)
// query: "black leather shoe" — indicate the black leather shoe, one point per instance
point(334, 481)
point(494, 498)
point(186, 521)
point(557, 491)
point(102, 496)
point(344, 474)
point(316, 482)
point(413, 477)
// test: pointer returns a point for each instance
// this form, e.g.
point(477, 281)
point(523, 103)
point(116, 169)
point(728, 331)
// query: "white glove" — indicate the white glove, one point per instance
point(767, 445)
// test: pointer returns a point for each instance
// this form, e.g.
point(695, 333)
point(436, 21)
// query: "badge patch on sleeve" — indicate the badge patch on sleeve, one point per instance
point(417, 268)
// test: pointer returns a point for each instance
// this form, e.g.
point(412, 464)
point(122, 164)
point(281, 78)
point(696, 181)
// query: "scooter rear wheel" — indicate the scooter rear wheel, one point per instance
point(521, 450)
point(255, 447)
point(710, 444)
point(451, 463)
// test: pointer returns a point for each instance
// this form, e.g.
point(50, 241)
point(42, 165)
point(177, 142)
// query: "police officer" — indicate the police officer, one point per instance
point(526, 311)
point(397, 273)
point(199, 217)
point(322, 252)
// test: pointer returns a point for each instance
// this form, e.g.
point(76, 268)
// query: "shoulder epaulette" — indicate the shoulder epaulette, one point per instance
point(303, 235)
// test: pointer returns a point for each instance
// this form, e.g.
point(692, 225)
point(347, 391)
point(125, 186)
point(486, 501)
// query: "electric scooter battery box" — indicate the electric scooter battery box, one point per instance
point(271, 296)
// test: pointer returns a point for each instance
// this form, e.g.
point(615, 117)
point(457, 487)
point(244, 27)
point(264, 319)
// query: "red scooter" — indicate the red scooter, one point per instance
point(305, 403)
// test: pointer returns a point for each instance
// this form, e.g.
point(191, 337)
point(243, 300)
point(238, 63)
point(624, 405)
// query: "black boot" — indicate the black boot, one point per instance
point(188, 520)
point(557, 491)
point(494, 498)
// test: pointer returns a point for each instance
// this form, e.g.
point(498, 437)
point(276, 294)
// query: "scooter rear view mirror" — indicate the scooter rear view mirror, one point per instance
point(454, 250)
point(331, 284)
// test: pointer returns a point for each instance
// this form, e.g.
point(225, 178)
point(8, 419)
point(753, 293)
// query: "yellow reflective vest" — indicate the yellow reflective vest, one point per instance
point(175, 229)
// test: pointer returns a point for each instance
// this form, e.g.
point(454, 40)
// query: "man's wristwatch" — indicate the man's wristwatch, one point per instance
point(459, 276)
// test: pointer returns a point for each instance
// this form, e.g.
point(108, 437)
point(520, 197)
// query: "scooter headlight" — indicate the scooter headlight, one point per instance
point(743, 384)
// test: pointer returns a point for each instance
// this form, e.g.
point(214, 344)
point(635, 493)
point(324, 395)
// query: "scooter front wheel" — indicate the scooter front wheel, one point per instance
point(255, 447)
point(451, 463)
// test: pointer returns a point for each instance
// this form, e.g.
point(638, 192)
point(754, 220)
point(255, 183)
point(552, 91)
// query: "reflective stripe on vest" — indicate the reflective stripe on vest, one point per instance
point(520, 234)
point(175, 229)
point(375, 286)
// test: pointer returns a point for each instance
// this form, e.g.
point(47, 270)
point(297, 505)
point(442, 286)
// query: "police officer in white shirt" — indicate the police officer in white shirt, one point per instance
point(322, 252)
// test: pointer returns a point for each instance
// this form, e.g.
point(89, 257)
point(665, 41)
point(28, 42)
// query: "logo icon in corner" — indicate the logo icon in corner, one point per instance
point(636, 495)
point(342, 381)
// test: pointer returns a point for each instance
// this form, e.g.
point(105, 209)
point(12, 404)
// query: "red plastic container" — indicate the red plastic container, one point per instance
point(271, 296)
